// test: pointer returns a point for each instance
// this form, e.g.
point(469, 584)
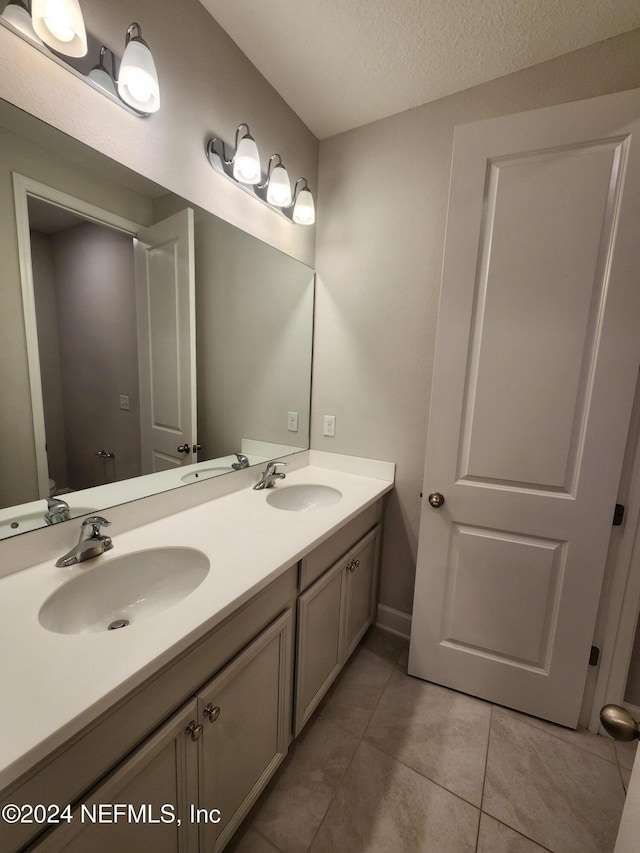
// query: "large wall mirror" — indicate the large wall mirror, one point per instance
point(145, 344)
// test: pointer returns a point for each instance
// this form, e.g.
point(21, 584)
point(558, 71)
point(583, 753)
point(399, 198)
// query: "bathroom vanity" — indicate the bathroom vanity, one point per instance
point(183, 716)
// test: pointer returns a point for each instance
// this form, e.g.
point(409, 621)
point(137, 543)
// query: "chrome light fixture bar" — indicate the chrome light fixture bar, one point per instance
point(243, 167)
point(61, 26)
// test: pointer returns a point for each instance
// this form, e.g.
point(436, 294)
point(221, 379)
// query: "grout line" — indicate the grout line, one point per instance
point(267, 839)
point(484, 778)
point(528, 837)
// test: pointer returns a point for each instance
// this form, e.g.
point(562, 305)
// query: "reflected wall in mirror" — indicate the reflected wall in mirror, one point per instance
point(145, 344)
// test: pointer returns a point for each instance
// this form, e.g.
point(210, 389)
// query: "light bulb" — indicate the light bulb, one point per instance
point(246, 163)
point(59, 24)
point(304, 212)
point(279, 188)
point(138, 80)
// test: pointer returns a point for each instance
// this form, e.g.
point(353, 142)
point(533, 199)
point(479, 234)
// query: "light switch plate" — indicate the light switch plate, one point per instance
point(292, 421)
point(124, 402)
point(329, 425)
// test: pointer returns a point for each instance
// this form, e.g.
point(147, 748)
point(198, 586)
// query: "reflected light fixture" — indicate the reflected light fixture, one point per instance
point(243, 167)
point(60, 25)
point(304, 211)
point(246, 160)
point(101, 76)
point(18, 15)
point(138, 79)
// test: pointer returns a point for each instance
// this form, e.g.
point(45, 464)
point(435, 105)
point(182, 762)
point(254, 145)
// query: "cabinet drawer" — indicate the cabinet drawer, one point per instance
point(315, 563)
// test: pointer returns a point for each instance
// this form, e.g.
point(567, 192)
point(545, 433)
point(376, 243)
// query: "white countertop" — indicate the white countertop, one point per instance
point(55, 684)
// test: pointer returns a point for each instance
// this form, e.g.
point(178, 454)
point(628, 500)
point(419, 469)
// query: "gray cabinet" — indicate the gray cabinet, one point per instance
point(246, 713)
point(190, 784)
point(157, 786)
point(333, 615)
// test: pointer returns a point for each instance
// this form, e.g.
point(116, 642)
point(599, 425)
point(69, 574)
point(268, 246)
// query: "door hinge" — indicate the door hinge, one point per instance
point(618, 515)
point(594, 657)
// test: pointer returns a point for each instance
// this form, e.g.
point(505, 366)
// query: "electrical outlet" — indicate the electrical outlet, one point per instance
point(124, 402)
point(292, 421)
point(329, 425)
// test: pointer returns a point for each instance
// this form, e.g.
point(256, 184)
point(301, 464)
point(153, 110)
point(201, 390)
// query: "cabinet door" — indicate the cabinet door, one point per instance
point(246, 712)
point(144, 804)
point(360, 580)
point(319, 641)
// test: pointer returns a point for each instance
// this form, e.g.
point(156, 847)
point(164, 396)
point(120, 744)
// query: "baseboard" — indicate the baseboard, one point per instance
point(393, 621)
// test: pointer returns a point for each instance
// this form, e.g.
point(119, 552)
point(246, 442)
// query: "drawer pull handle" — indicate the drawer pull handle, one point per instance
point(353, 565)
point(194, 730)
point(211, 712)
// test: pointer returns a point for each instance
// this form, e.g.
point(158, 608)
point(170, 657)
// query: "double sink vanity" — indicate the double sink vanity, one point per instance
point(171, 672)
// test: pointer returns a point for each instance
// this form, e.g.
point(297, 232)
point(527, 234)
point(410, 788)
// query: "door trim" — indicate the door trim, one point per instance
point(23, 188)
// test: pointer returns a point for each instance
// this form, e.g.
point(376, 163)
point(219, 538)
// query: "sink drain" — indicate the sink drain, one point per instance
point(118, 623)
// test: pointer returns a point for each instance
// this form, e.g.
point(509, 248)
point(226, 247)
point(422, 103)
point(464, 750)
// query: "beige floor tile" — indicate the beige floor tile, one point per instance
point(597, 744)
point(249, 841)
point(384, 807)
point(356, 692)
point(293, 805)
point(495, 837)
point(438, 732)
point(562, 797)
point(626, 753)
point(402, 663)
point(626, 777)
point(384, 645)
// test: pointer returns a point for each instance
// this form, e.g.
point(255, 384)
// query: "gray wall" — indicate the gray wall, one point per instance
point(254, 314)
point(382, 208)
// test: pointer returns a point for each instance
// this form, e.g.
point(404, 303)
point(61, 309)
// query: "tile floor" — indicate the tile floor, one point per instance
point(392, 764)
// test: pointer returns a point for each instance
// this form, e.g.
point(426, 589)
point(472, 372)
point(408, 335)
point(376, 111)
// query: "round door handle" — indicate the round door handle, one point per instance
point(183, 448)
point(211, 712)
point(196, 448)
point(194, 730)
point(436, 499)
point(619, 723)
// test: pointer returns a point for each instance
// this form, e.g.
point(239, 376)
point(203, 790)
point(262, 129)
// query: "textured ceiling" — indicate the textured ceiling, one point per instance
point(343, 63)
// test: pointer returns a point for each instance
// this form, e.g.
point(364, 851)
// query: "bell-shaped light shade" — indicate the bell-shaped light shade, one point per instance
point(102, 78)
point(19, 17)
point(246, 163)
point(59, 24)
point(138, 79)
point(304, 211)
point(279, 188)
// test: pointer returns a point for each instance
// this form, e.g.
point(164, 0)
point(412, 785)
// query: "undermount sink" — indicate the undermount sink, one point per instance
point(124, 590)
point(303, 497)
point(205, 474)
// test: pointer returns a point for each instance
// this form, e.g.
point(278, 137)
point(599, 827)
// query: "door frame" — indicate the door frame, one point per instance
point(623, 587)
point(23, 188)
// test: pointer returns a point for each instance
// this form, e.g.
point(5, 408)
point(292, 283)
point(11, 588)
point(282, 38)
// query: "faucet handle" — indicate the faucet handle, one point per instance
point(272, 467)
point(96, 522)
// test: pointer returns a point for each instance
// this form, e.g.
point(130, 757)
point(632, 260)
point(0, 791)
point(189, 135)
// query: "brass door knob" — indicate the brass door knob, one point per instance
point(619, 723)
point(436, 499)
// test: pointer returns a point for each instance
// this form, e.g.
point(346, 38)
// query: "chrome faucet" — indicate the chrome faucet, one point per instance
point(90, 544)
point(243, 462)
point(269, 475)
point(57, 510)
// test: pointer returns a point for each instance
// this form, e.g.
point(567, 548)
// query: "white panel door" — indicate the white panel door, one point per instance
point(536, 363)
point(165, 302)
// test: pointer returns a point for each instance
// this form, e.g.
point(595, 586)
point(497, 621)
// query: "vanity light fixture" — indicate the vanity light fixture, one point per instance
point(138, 79)
point(60, 25)
point(304, 211)
point(102, 76)
point(244, 168)
point(17, 14)
point(246, 160)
